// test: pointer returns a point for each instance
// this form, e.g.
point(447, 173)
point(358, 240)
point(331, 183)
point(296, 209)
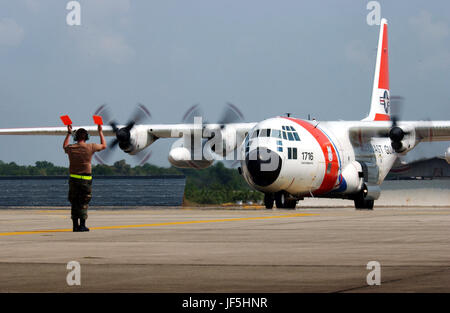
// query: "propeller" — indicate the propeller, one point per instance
point(191, 113)
point(396, 133)
point(123, 135)
point(396, 106)
point(230, 114)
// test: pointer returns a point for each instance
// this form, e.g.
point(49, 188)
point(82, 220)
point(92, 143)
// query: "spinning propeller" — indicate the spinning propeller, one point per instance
point(230, 114)
point(123, 135)
point(396, 134)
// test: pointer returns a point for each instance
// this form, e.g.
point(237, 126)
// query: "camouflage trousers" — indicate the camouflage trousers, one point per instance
point(80, 194)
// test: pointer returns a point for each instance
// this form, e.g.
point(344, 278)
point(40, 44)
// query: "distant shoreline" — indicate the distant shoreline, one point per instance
point(28, 177)
point(168, 176)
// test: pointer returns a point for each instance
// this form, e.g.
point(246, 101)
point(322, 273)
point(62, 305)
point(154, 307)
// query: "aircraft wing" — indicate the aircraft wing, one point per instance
point(432, 131)
point(426, 131)
point(177, 130)
point(53, 131)
point(158, 130)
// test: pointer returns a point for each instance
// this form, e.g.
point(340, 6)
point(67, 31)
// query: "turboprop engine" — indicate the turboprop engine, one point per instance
point(131, 138)
point(223, 141)
point(135, 139)
point(220, 139)
point(403, 139)
point(184, 155)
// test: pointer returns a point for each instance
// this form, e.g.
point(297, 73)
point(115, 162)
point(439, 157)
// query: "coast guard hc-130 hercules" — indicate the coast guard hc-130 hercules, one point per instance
point(288, 158)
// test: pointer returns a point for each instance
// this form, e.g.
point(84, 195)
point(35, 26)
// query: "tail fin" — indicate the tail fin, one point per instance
point(380, 106)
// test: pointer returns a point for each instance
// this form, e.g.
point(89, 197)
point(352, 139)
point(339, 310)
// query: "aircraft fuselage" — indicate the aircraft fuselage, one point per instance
point(311, 158)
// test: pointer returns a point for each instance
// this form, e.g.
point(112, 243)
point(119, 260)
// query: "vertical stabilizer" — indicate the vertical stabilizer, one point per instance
point(379, 105)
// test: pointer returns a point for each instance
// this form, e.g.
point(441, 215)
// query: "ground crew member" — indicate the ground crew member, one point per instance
point(80, 180)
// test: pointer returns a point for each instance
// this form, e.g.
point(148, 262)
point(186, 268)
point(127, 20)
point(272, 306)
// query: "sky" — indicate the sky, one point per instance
point(267, 57)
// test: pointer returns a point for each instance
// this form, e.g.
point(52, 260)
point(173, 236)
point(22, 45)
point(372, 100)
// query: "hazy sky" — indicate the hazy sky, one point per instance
point(267, 57)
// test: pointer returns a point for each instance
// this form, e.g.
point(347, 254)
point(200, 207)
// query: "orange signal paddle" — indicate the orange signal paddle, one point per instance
point(66, 120)
point(98, 119)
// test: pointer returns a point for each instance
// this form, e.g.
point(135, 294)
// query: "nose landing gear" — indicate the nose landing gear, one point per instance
point(282, 200)
point(268, 200)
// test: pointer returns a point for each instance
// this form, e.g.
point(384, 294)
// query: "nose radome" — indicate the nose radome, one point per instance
point(263, 165)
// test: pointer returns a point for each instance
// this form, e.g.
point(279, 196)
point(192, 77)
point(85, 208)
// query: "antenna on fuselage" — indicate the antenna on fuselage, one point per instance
point(288, 114)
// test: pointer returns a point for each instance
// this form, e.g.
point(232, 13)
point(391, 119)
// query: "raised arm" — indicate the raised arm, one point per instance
point(69, 132)
point(102, 138)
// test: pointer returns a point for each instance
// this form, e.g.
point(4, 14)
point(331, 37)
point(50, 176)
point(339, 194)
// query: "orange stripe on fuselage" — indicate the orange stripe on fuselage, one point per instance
point(329, 179)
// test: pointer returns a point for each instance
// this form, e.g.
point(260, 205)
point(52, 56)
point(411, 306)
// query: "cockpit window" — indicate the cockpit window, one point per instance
point(275, 133)
point(289, 133)
point(255, 134)
point(265, 133)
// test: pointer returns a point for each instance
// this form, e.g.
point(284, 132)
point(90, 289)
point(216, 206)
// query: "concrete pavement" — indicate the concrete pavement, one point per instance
point(227, 250)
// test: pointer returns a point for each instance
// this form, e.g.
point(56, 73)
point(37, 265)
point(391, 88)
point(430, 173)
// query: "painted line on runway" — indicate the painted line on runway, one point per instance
point(159, 224)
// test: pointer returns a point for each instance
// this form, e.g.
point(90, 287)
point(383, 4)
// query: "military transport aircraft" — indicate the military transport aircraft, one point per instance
point(289, 158)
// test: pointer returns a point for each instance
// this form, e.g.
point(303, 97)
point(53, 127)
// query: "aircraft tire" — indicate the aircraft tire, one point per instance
point(369, 204)
point(291, 204)
point(283, 202)
point(268, 200)
point(363, 204)
point(280, 199)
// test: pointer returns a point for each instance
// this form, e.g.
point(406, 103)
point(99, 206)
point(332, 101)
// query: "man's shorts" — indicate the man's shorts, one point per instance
point(80, 194)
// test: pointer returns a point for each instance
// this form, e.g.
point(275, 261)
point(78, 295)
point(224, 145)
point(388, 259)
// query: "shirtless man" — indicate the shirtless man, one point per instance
point(80, 180)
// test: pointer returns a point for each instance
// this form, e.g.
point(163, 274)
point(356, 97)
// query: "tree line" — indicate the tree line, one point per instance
point(213, 185)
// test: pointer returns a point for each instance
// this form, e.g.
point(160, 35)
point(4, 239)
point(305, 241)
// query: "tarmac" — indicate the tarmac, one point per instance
point(227, 250)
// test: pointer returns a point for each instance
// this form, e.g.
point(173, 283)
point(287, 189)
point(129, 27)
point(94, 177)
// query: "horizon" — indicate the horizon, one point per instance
point(267, 58)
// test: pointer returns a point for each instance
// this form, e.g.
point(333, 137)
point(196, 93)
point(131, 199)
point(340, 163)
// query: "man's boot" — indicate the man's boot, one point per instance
point(76, 227)
point(83, 225)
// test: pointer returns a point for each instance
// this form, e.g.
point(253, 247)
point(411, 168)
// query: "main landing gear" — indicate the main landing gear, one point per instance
point(361, 203)
point(282, 200)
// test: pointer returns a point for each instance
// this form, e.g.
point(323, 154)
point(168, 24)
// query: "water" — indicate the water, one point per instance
point(132, 192)
point(106, 192)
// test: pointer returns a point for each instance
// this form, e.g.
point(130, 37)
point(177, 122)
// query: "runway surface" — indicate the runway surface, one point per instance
point(227, 250)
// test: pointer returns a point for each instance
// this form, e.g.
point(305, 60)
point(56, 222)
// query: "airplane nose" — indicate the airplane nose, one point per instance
point(263, 165)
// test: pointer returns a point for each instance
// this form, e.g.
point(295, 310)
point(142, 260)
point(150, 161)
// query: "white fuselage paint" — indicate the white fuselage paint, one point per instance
point(303, 176)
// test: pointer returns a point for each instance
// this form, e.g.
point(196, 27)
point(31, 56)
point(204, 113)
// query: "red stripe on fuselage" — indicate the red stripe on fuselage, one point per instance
point(329, 178)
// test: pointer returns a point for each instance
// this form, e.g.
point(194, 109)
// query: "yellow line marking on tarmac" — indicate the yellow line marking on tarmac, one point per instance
point(159, 224)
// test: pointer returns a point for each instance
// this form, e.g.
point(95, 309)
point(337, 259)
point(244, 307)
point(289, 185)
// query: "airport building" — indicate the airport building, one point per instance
point(436, 167)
